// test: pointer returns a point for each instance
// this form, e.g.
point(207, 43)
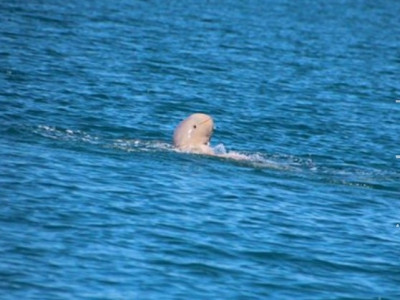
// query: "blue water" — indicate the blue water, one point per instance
point(96, 203)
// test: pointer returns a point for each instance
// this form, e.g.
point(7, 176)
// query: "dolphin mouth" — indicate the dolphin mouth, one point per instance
point(205, 121)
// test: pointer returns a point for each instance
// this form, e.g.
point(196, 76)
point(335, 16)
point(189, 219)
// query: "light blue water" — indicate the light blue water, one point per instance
point(95, 202)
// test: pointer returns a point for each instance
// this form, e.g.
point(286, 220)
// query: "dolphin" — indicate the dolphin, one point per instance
point(194, 133)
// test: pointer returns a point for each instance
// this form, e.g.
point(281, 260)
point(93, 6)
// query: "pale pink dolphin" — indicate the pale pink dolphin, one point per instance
point(194, 133)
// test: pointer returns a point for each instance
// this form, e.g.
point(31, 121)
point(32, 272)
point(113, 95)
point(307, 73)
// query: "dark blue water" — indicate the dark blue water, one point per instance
point(95, 202)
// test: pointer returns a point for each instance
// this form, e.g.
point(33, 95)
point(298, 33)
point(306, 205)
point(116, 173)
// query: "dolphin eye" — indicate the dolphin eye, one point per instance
point(194, 126)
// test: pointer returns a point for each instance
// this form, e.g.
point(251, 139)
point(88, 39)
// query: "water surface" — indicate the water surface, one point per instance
point(96, 203)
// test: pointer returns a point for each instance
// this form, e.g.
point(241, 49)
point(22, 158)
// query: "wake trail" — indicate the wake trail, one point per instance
point(324, 170)
point(260, 160)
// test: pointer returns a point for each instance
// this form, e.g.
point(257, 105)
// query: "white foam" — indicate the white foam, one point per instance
point(139, 145)
point(65, 134)
point(219, 149)
point(253, 159)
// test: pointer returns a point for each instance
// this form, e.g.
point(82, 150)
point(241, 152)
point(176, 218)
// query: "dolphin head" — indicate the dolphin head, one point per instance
point(194, 132)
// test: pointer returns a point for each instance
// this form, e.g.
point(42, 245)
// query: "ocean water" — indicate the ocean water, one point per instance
point(97, 204)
